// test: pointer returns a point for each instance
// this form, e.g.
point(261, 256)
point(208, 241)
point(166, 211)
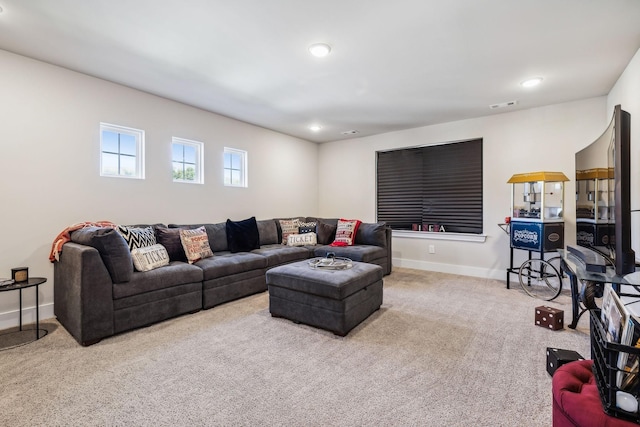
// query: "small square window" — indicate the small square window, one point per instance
point(121, 151)
point(186, 160)
point(235, 167)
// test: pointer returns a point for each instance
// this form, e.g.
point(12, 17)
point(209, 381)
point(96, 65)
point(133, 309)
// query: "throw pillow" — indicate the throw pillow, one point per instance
point(268, 232)
point(307, 227)
point(326, 232)
point(243, 236)
point(346, 232)
point(372, 234)
point(170, 239)
point(149, 257)
point(302, 239)
point(112, 249)
point(195, 243)
point(137, 237)
point(288, 226)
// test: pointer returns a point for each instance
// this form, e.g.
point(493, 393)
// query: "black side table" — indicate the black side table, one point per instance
point(32, 282)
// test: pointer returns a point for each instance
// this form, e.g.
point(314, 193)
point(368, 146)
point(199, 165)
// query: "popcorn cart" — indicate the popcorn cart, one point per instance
point(537, 225)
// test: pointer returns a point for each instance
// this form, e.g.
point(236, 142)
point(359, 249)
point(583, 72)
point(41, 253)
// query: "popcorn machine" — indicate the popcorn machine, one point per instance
point(537, 209)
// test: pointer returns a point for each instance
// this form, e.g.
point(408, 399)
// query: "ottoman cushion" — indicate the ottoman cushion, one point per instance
point(333, 284)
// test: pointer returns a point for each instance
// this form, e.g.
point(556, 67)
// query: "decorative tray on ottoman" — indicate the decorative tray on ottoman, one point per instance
point(331, 263)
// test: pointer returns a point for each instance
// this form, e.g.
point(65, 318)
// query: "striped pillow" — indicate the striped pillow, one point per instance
point(137, 237)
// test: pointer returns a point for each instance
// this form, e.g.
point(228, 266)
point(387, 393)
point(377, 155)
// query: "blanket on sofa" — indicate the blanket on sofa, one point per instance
point(65, 236)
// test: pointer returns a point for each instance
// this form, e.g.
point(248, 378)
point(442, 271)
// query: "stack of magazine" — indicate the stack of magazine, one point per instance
point(6, 282)
point(622, 327)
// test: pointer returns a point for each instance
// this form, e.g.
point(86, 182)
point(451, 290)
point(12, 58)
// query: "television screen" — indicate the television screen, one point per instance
point(603, 195)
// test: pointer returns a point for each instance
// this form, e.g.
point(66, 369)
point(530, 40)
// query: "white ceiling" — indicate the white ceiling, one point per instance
point(394, 65)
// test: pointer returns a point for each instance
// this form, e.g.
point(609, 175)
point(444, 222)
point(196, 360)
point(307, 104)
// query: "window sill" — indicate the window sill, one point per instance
point(459, 237)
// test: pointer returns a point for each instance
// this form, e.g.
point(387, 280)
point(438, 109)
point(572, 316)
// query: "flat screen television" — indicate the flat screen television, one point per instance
point(603, 194)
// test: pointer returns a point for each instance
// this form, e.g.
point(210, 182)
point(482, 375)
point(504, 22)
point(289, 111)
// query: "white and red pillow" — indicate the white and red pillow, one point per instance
point(346, 232)
point(289, 226)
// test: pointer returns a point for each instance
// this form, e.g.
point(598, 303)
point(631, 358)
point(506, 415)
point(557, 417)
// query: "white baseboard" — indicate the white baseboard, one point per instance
point(463, 270)
point(11, 319)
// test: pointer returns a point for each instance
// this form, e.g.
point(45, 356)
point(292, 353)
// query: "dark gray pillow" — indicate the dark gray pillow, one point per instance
point(268, 232)
point(372, 234)
point(170, 239)
point(112, 247)
point(326, 233)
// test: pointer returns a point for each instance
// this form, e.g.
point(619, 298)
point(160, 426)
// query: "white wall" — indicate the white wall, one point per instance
point(626, 92)
point(538, 139)
point(49, 160)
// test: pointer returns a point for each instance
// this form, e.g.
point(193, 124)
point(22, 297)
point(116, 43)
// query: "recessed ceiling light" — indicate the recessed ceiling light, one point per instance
point(315, 128)
point(320, 50)
point(531, 82)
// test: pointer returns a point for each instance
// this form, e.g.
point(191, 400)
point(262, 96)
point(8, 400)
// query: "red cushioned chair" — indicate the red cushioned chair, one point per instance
point(576, 402)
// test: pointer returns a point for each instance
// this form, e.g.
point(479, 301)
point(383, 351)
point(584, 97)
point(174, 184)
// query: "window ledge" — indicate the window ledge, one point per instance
point(459, 237)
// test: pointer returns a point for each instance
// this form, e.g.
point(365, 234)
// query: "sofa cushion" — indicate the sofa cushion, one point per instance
point(346, 232)
point(196, 244)
point(305, 239)
point(150, 257)
point(225, 264)
point(113, 250)
point(137, 237)
point(288, 226)
point(326, 232)
point(278, 254)
point(170, 239)
point(372, 234)
point(174, 274)
point(362, 253)
point(242, 236)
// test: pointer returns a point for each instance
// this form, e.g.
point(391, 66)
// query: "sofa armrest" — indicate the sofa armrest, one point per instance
point(83, 294)
point(388, 234)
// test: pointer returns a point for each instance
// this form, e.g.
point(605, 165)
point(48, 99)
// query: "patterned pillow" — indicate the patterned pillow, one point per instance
point(288, 226)
point(346, 232)
point(150, 257)
point(196, 244)
point(302, 239)
point(307, 227)
point(137, 237)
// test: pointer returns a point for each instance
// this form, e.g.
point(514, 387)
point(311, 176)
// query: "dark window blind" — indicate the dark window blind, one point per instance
point(438, 184)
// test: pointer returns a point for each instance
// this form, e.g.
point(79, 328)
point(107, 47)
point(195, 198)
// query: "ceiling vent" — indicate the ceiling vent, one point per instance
point(349, 132)
point(503, 105)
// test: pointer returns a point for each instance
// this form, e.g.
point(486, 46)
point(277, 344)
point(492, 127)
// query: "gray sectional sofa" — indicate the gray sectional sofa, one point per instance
point(97, 293)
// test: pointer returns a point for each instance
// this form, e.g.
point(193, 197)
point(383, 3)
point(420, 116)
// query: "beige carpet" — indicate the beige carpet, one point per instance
point(444, 350)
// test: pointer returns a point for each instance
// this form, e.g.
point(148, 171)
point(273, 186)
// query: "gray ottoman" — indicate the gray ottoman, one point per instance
point(336, 300)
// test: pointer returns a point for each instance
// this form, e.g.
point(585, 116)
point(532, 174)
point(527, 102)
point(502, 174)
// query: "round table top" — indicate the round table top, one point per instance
point(33, 281)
